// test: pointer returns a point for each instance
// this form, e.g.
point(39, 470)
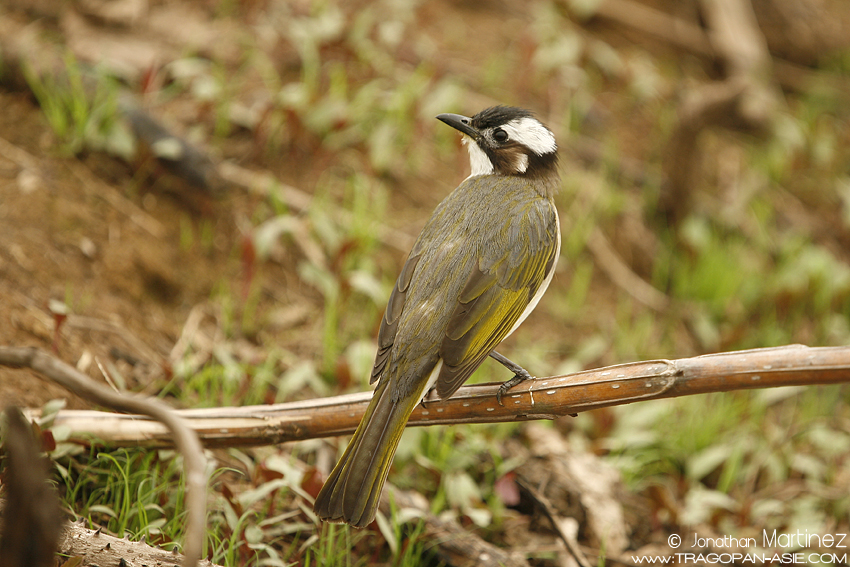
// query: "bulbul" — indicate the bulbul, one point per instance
point(478, 268)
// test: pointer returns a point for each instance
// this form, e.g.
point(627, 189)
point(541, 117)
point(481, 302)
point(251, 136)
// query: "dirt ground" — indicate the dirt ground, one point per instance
point(63, 241)
point(110, 241)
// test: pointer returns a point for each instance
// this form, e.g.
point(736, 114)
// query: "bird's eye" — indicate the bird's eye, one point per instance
point(500, 135)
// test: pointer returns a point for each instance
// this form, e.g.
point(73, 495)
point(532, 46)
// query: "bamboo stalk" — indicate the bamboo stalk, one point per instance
point(541, 398)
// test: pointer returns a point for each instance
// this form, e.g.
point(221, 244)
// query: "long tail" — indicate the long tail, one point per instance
point(353, 489)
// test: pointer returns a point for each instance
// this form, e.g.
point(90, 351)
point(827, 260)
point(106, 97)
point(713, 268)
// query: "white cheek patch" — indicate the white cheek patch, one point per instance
point(531, 134)
point(478, 160)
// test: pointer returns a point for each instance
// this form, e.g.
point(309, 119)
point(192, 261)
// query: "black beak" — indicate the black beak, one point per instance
point(460, 123)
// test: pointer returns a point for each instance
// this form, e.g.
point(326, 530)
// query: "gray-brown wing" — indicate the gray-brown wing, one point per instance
point(496, 294)
point(389, 323)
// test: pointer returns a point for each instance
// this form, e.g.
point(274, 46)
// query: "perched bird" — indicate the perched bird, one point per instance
point(478, 268)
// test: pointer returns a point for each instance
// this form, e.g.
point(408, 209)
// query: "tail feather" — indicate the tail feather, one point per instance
point(352, 491)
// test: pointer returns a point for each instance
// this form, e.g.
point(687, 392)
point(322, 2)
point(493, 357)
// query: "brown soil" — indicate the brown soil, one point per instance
point(125, 249)
point(70, 233)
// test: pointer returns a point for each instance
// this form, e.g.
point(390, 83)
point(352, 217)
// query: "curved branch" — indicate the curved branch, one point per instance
point(185, 440)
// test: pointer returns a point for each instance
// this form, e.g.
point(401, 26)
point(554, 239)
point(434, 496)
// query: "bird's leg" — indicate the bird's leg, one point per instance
point(520, 374)
point(430, 396)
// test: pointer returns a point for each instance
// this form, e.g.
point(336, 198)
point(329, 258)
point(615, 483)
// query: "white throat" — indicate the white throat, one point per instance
point(479, 163)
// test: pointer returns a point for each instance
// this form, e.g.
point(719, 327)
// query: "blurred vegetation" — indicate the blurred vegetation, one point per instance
point(760, 260)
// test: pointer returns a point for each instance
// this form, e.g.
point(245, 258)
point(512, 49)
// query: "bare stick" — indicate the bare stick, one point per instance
point(746, 101)
point(117, 200)
point(264, 183)
point(656, 23)
point(31, 516)
point(549, 511)
point(183, 437)
point(622, 275)
point(690, 37)
point(538, 398)
point(98, 548)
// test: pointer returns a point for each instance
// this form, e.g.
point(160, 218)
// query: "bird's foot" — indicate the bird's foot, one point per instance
point(503, 389)
point(520, 375)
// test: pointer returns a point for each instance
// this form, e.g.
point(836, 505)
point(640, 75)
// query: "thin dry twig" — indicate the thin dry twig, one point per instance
point(548, 510)
point(622, 275)
point(264, 183)
point(184, 438)
point(118, 201)
point(745, 101)
point(539, 398)
point(20, 156)
point(112, 327)
point(690, 37)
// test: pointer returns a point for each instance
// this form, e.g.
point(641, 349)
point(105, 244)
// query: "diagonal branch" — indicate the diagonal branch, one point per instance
point(691, 38)
point(541, 398)
point(746, 100)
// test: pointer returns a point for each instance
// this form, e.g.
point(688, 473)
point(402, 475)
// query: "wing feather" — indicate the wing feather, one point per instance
point(390, 320)
point(496, 294)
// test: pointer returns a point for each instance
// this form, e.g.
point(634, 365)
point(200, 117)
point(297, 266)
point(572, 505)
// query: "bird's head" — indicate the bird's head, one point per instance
point(505, 140)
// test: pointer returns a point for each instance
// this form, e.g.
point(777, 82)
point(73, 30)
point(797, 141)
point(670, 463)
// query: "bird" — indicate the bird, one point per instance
point(478, 268)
